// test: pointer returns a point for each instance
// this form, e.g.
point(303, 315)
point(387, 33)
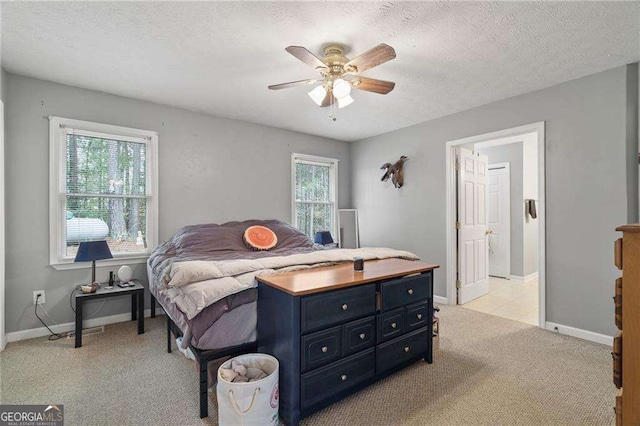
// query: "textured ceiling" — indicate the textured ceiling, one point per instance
point(219, 57)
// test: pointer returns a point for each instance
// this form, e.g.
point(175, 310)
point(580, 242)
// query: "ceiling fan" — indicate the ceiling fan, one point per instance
point(339, 74)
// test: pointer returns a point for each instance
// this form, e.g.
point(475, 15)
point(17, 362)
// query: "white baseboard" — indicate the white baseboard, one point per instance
point(69, 326)
point(526, 279)
point(440, 300)
point(579, 333)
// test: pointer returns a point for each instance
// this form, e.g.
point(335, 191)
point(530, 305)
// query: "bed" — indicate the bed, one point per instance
point(204, 279)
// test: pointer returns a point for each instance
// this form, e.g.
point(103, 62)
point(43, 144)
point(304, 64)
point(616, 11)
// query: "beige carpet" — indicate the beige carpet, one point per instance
point(488, 370)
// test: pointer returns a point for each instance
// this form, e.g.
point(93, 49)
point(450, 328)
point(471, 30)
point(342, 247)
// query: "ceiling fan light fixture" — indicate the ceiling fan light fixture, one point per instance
point(318, 94)
point(345, 101)
point(339, 74)
point(341, 88)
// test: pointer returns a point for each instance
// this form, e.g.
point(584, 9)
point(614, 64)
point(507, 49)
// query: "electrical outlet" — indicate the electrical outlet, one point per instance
point(40, 300)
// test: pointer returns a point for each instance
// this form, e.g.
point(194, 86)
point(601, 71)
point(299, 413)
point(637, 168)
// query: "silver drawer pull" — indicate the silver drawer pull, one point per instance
point(410, 291)
point(406, 348)
point(419, 316)
point(325, 349)
point(362, 336)
point(344, 377)
point(345, 307)
point(394, 325)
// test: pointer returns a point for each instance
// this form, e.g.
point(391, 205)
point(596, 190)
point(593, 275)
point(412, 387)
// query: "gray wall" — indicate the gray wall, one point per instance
point(211, 170)
point(3, 75)
point(512, 154)
point(633, 134)
point(3, 83)
point(586, 188)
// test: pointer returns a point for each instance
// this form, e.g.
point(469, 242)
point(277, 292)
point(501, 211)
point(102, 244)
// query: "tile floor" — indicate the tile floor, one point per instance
point(509, 299)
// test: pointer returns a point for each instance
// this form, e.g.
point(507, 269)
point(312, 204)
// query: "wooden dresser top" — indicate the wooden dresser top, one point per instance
point(317, 280)
point(633, 227)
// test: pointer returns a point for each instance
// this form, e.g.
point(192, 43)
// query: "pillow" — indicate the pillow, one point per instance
point(259, 238)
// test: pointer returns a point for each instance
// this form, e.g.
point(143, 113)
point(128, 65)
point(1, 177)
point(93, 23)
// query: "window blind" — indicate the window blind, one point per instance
point(313, 197)
point(104, 191)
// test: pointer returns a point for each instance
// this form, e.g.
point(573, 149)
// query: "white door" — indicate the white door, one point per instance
point(473, 261)
point(499, 219)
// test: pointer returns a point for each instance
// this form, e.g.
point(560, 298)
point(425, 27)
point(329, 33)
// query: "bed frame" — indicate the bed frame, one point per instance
point(203, 357)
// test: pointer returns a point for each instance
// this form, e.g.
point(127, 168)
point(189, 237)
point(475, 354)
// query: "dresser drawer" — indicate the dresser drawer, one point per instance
point(358, 335)
point(401, 350)
point(320, 348)
point(417, 316)
point(325, 309)
point(617, 359)
point(619, 408)
point(617, 302)
point(327, 381)
point(405, 291)
point(617, 251)
point(391, 324)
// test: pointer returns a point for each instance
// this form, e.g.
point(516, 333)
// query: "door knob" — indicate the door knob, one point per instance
point(488, 232)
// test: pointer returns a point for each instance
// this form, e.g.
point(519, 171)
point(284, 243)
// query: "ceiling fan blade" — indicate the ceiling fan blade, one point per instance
point(305, 56)
point(372, 85)
point(371, 58)
point(328, 99)
point(294, 84)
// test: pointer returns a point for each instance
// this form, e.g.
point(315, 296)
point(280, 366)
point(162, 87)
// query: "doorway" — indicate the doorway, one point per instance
point(499, 218)
point(509, 232)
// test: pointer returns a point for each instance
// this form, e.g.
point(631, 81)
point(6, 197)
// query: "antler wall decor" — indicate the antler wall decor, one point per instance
point(395, 172)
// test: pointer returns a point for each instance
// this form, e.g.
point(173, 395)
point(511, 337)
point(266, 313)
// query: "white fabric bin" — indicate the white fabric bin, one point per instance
point(249, 403)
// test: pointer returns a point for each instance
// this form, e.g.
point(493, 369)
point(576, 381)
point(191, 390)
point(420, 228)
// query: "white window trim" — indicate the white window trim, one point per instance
point(56, 180)
point(333, 183)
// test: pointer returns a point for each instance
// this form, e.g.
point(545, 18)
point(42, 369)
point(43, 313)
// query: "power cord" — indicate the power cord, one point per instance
point(71, 300)
point(48, 316)
point(57, 336)
point(52, 336)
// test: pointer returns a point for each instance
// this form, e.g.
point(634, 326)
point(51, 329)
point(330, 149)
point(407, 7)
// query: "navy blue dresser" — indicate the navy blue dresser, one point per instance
point(336, 331)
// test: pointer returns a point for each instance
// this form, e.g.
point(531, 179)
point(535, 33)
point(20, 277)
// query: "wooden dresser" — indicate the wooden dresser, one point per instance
point(626, 345)
point(336, 331)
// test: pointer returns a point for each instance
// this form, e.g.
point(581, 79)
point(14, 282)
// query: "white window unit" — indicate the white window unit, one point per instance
point(103, 184)
point(314, 194)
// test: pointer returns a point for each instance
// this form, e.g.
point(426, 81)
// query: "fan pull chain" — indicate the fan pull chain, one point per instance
point(332, 109)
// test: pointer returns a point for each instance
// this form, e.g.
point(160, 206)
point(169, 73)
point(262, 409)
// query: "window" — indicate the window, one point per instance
point(102, 186)
point(315, 193)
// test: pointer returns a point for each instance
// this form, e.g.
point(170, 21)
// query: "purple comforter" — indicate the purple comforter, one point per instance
point(220, 242)
point(224, 242)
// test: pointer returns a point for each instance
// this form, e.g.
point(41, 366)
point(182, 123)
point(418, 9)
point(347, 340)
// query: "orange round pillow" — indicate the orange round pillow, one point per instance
point(259, 238)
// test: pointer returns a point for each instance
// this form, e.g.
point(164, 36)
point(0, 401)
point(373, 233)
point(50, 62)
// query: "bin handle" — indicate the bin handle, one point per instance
point(235, 404)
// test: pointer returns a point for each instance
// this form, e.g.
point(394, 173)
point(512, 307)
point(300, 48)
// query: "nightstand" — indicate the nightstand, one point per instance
point(137, 304)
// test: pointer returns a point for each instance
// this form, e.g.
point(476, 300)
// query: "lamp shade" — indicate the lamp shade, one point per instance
point(341, 88)
point(93, 250)
point(318, 94)
point(345, 101)
point(323, 237)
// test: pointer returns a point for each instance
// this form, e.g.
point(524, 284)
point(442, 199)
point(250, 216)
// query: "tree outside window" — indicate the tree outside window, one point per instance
point(103, 176)
point(315, 194)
